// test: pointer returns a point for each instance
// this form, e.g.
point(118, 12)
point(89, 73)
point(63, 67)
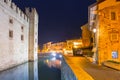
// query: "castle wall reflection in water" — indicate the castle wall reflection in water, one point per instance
point(46, 68)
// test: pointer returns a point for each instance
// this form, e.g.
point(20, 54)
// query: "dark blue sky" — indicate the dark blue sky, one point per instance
point(58, 19)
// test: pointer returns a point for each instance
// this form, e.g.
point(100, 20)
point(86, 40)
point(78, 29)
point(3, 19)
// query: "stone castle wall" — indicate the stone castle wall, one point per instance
point(33, 33)
point(10, 8)
point(14, 35)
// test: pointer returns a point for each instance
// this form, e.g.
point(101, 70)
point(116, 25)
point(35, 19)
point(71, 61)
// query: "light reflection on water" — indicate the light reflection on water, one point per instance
point(49, 68)
point(53, 62)
point(44, 69)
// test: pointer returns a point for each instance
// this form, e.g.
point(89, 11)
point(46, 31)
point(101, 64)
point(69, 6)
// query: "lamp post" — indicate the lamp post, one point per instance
point(94, 46)
point(94, 31)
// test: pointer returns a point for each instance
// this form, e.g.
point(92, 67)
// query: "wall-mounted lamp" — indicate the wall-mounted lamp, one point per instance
point(94, 30)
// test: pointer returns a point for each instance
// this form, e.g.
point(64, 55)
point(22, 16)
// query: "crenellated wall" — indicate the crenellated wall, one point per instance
point(18, 35)
point(16, 11)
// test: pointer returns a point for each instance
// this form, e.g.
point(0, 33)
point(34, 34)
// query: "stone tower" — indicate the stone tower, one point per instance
point(33, 33)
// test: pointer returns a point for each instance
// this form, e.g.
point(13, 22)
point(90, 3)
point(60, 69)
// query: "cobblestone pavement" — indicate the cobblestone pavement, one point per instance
point(97, 72)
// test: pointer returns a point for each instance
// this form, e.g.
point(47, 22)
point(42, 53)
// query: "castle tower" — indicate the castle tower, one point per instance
point(33, 33)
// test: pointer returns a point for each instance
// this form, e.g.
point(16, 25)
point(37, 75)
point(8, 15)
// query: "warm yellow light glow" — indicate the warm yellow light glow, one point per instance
point(64, 49)
point(94, 12)
point(77, 43)
point(94, 30)
point(75, 46)
point(47, 61)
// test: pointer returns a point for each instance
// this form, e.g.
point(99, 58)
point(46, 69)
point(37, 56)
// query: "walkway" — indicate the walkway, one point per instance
point(95, 71)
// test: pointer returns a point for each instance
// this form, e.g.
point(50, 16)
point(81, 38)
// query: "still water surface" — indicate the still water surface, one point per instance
point(46, 68)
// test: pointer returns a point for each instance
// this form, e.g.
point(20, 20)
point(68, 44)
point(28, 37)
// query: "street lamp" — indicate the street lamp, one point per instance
point(94, 30)
point(94, 46)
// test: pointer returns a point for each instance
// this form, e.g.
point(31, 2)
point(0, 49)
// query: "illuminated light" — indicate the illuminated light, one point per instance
point(64, 49)
point(53, 59)
point(94, 12)
point(94, 30)
point(65, 52)
point(75, 46)
point(92, 21)
point(68, 52)
point(47, 61)
point(60, 56)
point(54, 54)
point(77, 43)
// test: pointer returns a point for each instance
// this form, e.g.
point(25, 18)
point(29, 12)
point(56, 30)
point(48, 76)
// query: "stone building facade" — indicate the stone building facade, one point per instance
point(15, 34)
point(108, 31)
point(58, 47)
point(106, 23)
point(72, 44)
point(86, 36)
point(54, 47)
point(46, 47)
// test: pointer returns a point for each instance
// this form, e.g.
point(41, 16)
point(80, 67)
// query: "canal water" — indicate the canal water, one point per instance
point(46, 68)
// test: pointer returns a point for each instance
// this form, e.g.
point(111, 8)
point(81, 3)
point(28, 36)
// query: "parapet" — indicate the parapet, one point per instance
point(13, 6)
point(30, 11)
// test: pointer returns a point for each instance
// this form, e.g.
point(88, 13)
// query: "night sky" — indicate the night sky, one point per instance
point(59, 20)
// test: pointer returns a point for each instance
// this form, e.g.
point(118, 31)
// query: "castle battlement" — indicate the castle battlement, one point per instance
point(11, 5)
point(18, 35)
point(30, 11)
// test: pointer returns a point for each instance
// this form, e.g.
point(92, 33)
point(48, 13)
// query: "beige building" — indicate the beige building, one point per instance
point(53, 47)
point(58, 47)
point(62, 47)
point(74, 43)
point(46, 47)
point(16, 30)
point(107, 31)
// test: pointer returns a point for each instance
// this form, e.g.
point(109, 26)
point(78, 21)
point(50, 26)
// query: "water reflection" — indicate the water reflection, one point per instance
point(33, 70)
point(49, 68)
point(27, 71)
point(46, 68)
point(53, 62)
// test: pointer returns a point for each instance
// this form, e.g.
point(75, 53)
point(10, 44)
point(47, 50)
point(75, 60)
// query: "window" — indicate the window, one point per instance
point(11, 21)
point(5, 1)
point(36, 40)
point(114, 36)
point(10, 33)
point(91, 40)
point(22, 37)
point(114, 54)
point(22, 28)
point(113, 16)
point(94, 18)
